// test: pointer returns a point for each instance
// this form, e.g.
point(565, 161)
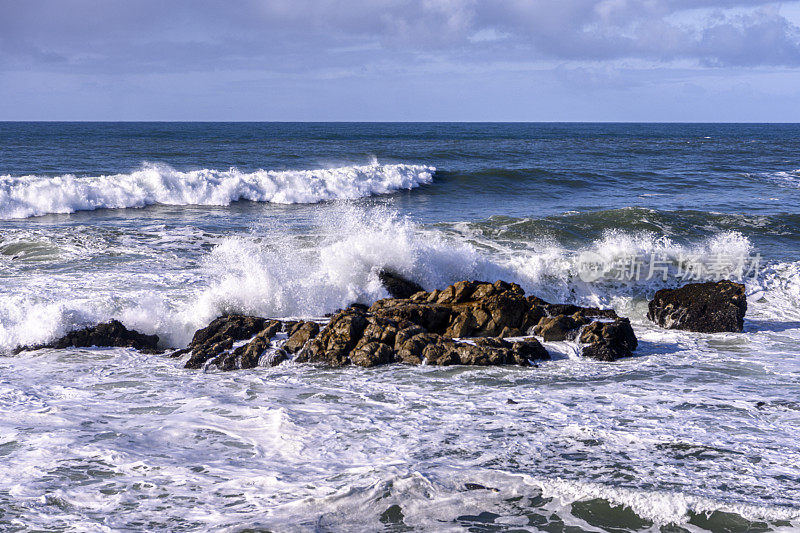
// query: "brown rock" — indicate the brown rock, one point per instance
point(557, 328)
point(372, 354)
point(301, 333)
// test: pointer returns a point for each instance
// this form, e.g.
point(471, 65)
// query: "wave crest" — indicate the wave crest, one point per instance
point(27, 196)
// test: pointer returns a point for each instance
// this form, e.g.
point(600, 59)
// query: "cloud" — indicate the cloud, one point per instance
point(117, 36)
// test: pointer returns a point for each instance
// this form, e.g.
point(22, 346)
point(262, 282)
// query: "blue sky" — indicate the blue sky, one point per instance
point(514, 60)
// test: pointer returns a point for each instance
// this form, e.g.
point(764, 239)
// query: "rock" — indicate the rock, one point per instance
point(405, 334)
point(510, 332)
point(431, 316)
point(299, 335)
point(441, 354)
point(372, 354)
point(219, 336)
point(702, 307)
point(530, 349)
point(421, 328)
point(107, 334)
point(334, 343)
point(460, 291)
point(237, 327)
point(411, 351)
point(558, 328)
point(618, 332)
point(248, 355)
point(608, 340)
point(380, 330)
point(579, 312)
point(605, 351)
point(397, 285)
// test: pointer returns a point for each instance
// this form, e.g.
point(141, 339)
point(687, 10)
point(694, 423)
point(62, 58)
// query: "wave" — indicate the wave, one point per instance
point(282, 274)
point(783, 178)
point(27, 196)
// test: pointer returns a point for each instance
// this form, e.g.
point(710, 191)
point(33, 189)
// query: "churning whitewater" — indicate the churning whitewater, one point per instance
point(696, 432)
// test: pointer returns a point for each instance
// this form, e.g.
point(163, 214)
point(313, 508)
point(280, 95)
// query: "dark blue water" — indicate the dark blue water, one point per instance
point(687, 172)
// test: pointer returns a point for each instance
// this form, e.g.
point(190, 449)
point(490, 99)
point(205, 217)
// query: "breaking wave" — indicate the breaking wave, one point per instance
point(27, 196)
point(275, 273)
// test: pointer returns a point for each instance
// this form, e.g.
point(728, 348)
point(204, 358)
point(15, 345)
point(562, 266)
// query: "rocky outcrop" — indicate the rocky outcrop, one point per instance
point(467, 323)
point(107, 334)
point(608, 340)
point(397, 285)
point(702, 307)
point(214, 344)
point(299, 335)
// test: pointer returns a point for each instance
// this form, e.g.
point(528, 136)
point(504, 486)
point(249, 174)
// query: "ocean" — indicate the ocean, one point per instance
point(165, 226)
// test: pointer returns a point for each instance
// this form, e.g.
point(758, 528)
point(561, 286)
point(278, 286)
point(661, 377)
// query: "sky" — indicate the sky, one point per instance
point(400, 60)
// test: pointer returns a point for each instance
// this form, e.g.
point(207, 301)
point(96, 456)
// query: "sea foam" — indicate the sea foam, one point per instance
point(276, 273)
point(26, 196)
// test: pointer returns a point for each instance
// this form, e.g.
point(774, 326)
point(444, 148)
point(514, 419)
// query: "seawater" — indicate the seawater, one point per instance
point(167, 225)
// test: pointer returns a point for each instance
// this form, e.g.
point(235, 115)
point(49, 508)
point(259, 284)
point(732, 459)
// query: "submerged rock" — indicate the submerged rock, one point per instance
point(702, 307)
point(107, 334)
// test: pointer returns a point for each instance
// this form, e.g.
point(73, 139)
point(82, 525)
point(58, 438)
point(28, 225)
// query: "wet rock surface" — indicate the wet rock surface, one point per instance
point(702, 307)
point(214, 344)
point(464, 324)
point(397, 285)
point(106, 334)
point(468, 323)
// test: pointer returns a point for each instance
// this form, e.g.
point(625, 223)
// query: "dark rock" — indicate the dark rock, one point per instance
point(411, 351)
point(459, 292)
point(703, 307)
point(211, 342)
point(397, 285)
point(422, 328)
point(249, 355)
point(405, 334)
point(530, 349)
point(237, 327)
point(432, 317)
point(107, 334)
point(608, 340)
point(477, 486)
point(510, 332)
point(605, 351)
point(442, 354)
point(178, 353)
point(380, 330)
point(618, 332)
point(577, 311)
